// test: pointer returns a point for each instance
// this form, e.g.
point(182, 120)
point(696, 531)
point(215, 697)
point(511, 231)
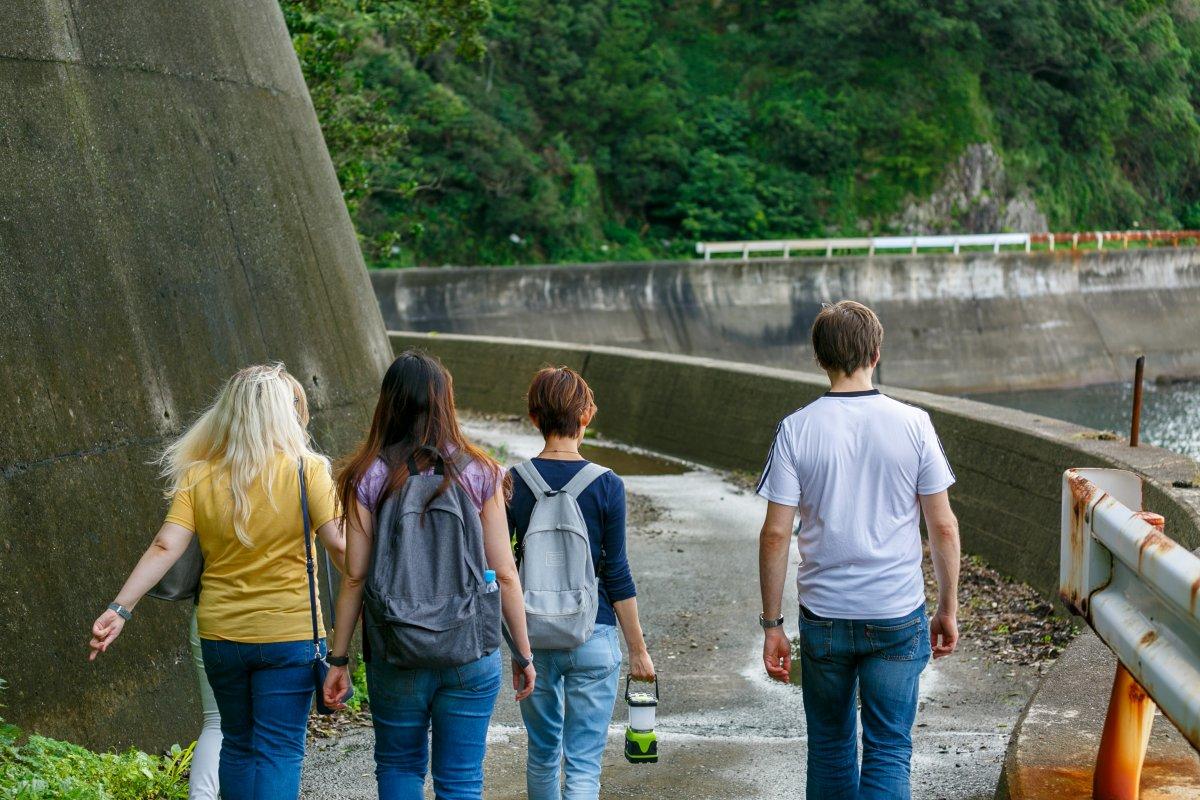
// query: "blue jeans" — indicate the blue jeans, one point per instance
point(264, 693)
point(884, 659)
point(567, 716)
point(457, 702)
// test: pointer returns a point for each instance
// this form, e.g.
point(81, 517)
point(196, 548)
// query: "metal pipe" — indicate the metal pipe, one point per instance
point(1123, 744)
point(1135, 424)
point(1127, 727)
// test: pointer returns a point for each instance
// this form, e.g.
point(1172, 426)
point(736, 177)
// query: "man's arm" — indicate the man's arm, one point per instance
point(773, 543)
point(945, 550)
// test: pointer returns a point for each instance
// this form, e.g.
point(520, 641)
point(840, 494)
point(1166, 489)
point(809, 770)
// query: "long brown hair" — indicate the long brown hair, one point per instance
point(415, 411)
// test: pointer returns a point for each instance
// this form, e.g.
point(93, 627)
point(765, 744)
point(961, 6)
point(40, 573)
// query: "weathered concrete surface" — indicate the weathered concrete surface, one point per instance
point(975, 322)
point(1009, 464)
point(169, 214)
point(726, 732)
point(1053, 750)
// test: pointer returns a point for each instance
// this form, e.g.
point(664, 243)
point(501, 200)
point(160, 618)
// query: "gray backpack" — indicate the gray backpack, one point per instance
point(427, 604)
point(557, 573)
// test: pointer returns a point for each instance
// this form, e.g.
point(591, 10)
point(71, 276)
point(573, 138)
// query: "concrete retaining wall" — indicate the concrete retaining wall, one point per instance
point(1009, 464)
point(169, 214)
point(975, 322)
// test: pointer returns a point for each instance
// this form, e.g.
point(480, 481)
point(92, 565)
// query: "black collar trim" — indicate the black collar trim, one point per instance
point(864, 393)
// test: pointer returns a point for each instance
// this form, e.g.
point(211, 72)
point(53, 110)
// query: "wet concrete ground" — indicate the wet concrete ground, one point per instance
point(725, 731)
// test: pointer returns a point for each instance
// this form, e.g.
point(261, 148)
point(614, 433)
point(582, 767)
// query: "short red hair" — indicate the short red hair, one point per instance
point(559, 398)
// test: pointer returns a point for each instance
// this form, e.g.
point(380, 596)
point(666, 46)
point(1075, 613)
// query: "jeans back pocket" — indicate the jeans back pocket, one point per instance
point(816, 636)
point(896, 642)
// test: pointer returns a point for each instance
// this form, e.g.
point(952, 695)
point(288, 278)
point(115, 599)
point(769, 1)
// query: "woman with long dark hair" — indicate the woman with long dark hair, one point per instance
point(415, 426)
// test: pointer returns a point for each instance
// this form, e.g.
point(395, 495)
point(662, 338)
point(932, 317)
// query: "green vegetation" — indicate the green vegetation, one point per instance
point(553, 130)
point(358, 679)
point(38, 768)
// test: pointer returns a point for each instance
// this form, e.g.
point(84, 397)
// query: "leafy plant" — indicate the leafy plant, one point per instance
point(40, 768)
point(358, 679)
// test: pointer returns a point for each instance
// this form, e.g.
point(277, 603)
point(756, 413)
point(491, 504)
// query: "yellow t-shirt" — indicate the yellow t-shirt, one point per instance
point(255, 594)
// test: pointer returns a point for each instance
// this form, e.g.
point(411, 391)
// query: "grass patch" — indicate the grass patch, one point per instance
point(38, 767)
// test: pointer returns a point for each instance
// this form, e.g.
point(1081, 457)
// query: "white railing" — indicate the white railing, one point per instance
point(1136, 587)
point(912, 244)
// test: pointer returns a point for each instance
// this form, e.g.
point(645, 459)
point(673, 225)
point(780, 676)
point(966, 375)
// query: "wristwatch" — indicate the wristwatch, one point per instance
point(122, 612)
point(520, 660)
point(770, 623)
point(337, 661)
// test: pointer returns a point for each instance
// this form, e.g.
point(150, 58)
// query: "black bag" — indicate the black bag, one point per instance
point(320, 667)
point(182, 581)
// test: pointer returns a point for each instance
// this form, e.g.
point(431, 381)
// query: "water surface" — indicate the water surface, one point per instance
point(629, 462)
point(1170, 411)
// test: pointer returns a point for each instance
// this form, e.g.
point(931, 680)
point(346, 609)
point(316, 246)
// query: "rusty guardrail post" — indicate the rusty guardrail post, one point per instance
point(1140, 591)
point(1127, 726)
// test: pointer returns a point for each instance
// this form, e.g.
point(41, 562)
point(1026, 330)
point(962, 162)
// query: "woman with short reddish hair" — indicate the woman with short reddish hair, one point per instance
point(567, 715)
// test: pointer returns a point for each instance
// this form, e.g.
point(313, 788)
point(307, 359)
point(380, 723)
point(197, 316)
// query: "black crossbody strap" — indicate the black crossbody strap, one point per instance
point(309, 564)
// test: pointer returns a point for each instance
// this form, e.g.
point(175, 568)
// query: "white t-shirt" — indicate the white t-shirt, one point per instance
point(854, 463)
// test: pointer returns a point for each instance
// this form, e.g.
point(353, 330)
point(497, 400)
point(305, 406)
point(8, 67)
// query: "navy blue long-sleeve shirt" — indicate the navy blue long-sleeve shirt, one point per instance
point(603, 507)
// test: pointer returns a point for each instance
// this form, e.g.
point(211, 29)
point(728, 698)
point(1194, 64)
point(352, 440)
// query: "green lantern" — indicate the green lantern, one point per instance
point(641, 743)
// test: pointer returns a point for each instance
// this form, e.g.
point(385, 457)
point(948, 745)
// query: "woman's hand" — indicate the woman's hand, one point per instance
point(169, 544)
point(105, 630)
point(524, 679)
point(641, 668)
point(337, 686)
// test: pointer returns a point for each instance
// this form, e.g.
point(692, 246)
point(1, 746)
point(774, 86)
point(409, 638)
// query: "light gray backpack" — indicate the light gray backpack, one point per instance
point(427, 604)
point(557, 573)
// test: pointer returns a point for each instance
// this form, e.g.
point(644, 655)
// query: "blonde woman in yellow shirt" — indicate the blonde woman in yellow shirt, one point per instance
point(234, 482)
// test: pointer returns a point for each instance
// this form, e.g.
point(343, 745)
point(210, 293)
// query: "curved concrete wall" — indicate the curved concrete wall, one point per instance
point(975, 322)
point(169, 214)
point(1009, 464)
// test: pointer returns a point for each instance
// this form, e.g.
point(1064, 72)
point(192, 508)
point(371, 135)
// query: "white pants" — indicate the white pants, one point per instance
point(206, 758)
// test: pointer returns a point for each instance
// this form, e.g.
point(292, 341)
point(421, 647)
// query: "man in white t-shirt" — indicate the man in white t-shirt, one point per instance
point(861, 468)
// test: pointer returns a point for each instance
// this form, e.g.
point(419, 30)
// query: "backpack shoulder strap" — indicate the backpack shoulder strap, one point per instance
point(533, 479)
point(584, 478)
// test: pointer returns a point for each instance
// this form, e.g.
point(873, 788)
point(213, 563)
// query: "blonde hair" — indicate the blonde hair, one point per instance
point(259, 415)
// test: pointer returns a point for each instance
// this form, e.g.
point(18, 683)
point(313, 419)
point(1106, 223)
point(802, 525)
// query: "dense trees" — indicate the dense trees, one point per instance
point(596, 129)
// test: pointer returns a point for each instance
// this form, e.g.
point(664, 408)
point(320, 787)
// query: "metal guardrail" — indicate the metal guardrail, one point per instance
point(1123, 237)
point(914, 244)
point(871, 244)
point(1137, 588)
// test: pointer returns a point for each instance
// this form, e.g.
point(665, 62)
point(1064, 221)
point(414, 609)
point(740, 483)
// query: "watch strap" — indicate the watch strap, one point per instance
point(338, 661)
point(770, 623)
point(122, 612)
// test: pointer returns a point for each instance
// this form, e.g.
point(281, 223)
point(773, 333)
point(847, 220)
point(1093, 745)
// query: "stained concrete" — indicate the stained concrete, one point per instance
point(1052, 755)
point(169, 214)
point(966, 323)
point(1009, 464)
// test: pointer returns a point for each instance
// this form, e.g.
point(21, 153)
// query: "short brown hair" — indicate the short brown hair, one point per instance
point(846, 336)
point(558, 398)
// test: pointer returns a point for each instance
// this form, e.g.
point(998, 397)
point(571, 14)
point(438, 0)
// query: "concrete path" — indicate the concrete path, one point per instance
point(725, 731)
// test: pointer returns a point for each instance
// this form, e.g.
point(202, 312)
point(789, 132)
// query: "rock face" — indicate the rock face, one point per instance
point(169, 214)
point(974, 198)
